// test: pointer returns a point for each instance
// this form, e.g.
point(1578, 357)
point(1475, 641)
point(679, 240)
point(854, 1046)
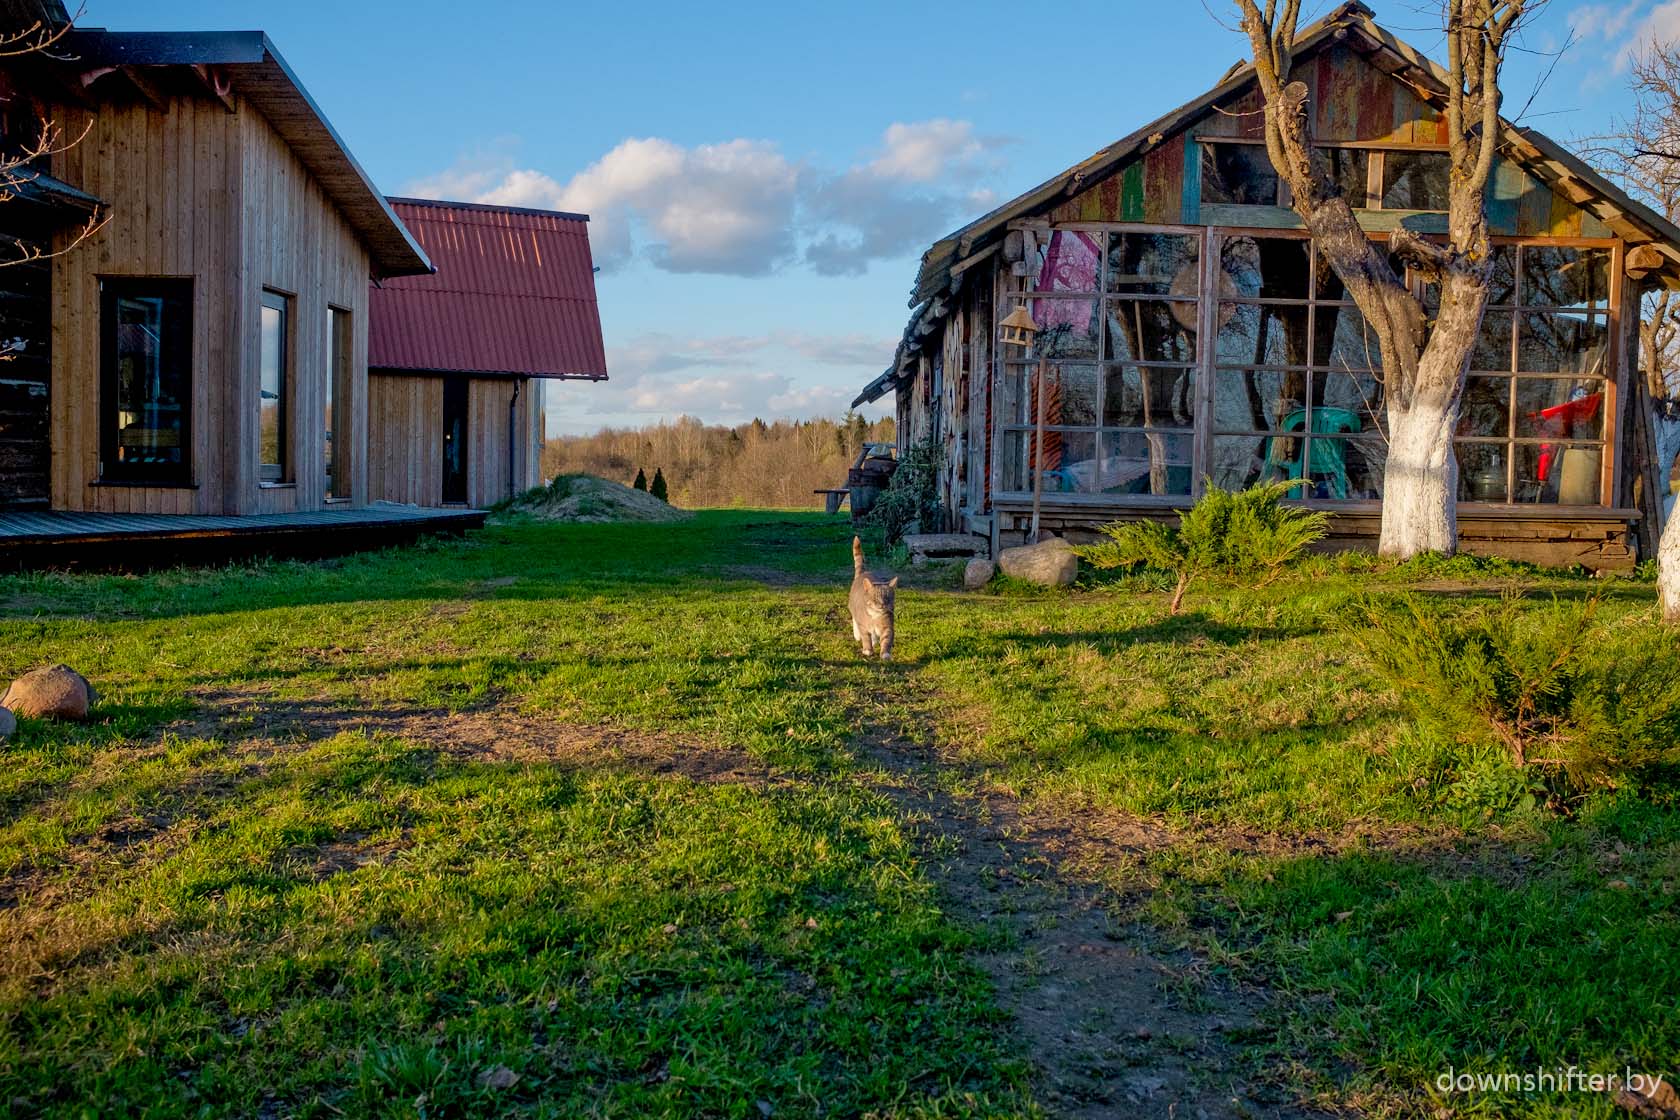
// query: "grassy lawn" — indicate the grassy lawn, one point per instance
point(295, 866)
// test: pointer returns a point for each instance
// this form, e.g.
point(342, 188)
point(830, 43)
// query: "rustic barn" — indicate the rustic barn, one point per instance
point(457, 361)
point(1194, 335)
point(204, 350)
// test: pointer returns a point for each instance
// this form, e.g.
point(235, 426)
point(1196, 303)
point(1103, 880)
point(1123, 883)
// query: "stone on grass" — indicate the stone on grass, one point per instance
point(1050, 563)
point(51, 692)
point(8, 724)
point(978, 573)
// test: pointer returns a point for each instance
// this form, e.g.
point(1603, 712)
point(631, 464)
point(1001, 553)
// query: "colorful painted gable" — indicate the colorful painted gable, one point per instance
point(1353, 103)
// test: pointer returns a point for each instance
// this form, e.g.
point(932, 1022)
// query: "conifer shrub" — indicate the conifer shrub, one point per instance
point(657, 486)
point(1586, 704)
point(1244, 534)
point(641, 482)
point(911, 498)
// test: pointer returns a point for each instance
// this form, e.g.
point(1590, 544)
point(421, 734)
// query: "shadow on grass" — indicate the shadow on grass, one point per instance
point(369, 922)
point(719, 552)
point(1191, 628)
point(1544, 948)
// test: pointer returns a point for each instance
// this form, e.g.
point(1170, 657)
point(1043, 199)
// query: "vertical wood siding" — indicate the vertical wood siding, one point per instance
point(405, 443)
point(172, 182)
point(196, 191)
point(296, 241)
point(405, 446)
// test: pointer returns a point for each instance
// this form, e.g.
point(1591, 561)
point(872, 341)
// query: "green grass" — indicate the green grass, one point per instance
point(203, 919)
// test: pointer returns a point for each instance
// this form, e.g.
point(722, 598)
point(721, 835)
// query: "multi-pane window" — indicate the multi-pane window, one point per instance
point(272, 436)
point(1133, 320)
point(1240, 173)
point(145, 331)
point(1297, 393)
point(1532, 423)
point(1117, 315)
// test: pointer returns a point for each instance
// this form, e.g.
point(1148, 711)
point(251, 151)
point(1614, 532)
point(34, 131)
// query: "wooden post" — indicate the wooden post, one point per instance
point(1157, 446)
point(1038, 450)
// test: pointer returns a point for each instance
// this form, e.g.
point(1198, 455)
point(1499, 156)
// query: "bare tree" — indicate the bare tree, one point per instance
point(1423, 361)
point(1643, 154)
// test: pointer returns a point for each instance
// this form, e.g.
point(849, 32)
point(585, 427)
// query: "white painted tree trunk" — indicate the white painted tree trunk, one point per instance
point(1420, 482)
point(1668, 570)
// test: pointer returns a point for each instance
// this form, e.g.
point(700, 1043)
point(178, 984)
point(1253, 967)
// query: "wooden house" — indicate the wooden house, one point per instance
point(457, 361)
point(1194, 335)
point(204, 350)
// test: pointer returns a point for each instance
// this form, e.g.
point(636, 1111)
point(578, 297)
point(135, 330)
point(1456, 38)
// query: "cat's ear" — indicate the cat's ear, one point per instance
point(893, 582)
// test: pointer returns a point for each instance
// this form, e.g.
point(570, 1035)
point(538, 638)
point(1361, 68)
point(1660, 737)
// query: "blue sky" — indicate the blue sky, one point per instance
point(763, 177)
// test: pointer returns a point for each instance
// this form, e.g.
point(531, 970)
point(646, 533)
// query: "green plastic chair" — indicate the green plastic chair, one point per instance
point(1328, 457)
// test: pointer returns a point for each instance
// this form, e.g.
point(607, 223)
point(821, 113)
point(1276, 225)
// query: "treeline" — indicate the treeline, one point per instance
point(758, 464)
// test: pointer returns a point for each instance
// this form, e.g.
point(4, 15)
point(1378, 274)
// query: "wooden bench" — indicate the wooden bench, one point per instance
point(835, 498)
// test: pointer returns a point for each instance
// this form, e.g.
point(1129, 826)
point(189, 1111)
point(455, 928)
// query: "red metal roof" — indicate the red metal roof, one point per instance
point(514, 293)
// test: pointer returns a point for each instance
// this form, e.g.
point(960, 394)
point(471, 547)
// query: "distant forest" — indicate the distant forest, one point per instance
point(777, 464)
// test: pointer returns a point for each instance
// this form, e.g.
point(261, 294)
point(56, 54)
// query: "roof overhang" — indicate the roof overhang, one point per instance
point(490, 374)
point(259, 74)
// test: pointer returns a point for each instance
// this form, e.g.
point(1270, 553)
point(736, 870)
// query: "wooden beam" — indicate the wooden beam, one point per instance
point(147, 88)
point(216, 84)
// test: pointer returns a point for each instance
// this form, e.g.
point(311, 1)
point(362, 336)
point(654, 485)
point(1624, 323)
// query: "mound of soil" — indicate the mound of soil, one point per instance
point(585, 498)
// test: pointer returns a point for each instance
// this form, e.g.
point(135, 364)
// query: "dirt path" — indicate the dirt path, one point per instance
point(1114, 1025)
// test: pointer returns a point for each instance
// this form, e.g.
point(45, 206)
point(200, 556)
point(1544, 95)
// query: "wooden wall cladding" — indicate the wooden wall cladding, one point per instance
point(405, 437)
point(405, 443)
point(172, 181)
point(197, 191)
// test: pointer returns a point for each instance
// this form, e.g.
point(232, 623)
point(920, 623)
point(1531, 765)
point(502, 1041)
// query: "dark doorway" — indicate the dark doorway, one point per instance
point(454, 439)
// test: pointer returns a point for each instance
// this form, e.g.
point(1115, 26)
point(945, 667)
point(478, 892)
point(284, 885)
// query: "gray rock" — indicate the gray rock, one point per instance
point(978, 573)
point(1050, 563)
point(8, 724)
point(51, 692)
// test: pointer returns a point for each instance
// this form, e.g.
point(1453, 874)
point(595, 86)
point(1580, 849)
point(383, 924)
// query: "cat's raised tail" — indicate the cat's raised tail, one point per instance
point(857, 556)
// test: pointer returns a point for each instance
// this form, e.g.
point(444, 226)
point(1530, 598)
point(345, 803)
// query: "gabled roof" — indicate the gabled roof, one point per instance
point(21, 15)
point(514, 294)
point(255, 71)
point(945, 261)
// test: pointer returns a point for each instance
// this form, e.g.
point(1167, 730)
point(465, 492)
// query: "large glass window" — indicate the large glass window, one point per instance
point(272, 436)
point(1118, 318)
point(1297, 391)
point(340, 358)
point(1531, 424)
point(146, 393)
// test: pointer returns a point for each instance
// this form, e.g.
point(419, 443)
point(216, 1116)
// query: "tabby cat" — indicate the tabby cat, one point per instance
point(871, 603)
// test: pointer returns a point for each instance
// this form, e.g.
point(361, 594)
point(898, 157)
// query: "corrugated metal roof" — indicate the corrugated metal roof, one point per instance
point(514, 293)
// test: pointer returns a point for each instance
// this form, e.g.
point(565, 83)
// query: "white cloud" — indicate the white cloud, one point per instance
point(1603, 21)
point(742, 207)
point(727, 379)
point(1621, 32)
point(926, 151)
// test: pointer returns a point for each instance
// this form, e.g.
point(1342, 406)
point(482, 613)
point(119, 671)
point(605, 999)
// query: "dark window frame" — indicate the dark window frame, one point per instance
point(281, 473)
point(179, 289)
point(341, 360)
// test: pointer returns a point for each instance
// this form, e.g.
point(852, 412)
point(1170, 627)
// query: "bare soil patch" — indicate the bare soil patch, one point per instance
point(1114, 1025)
point(489, 734)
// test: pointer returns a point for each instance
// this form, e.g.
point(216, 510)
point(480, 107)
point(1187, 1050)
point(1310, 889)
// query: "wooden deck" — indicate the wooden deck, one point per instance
point(59, 539)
